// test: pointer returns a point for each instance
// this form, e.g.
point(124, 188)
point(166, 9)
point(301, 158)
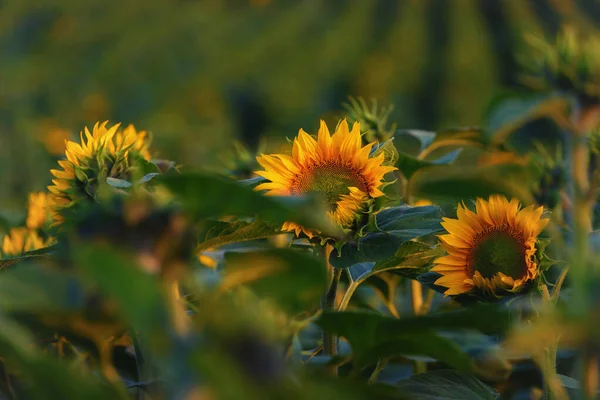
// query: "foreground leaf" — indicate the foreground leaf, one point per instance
point(446, 385)
point(397, 225)
point(295, 280)
point(380, 336)
point(43, 376)
point(511, 113)
point(458, 184)
point(221, 233)
point(204, 195)
point(409, 165)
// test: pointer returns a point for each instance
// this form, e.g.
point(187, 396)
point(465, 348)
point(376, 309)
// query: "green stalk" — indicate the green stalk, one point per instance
point(328, 302)
point(583, 202)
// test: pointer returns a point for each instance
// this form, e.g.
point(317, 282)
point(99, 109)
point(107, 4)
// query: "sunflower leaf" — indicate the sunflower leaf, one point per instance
point(425, 138)
point(204, 196)
point(296, 280)
point(409, 165)
point(458, 183)
point(382, 336)
point(118, 183)
point(446, 385)
point(511, 113)
point(221, 233)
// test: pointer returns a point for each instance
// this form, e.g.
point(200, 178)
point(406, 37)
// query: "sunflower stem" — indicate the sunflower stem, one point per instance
point(328, 302)
point(583, 120)
point(380, 366)
point(178, 314)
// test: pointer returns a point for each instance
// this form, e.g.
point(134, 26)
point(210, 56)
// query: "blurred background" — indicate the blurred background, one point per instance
point(198, 74)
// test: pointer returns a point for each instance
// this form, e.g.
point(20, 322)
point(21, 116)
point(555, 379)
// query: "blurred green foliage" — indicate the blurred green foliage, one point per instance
point(201, 73)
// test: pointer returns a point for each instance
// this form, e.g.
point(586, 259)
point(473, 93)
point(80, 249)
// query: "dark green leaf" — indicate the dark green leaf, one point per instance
point(118, 183)
point(425, 138)
point(411, 260)
point(457, 184)
point(446, 385)
point(485, 317)
point(408, 217)
point(46, 377)
point(361, 271)
point(46, 290)
point(148, 177)
point(398, 225)
point(205, 195)
point(222, 233)
point(382, 337)
point(409, 165)
point(511, 113)
point(27, 256)
point(252, 182)
point(295, 280)
point(136, 292)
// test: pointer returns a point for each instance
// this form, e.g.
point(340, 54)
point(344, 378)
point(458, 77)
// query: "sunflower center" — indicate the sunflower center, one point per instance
point(499, 251)
point(331, 181)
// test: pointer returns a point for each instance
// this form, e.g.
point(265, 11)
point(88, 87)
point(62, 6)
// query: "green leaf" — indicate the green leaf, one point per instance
point(148, 177)
point(488, 318)
point(27, 256)
point(409, 217)
point(511, 113)
point(221, 233)
point(425, 138)
point(295, 280)
point(411, 260)
point(137, 293)
point(252, 182)
point(398, 225)
point(456, 184)
point(373, 336)
point(205, 195)
point(446, 385)
point(43, 376)
point(118, 183)
point(409, 165)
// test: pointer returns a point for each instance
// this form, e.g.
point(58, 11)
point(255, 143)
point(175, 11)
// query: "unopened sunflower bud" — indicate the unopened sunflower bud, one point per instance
point(373, 120)
point(570, 63)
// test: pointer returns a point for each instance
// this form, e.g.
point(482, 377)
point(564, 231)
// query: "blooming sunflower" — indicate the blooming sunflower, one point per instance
point(38, 210)
point(104, 152)
point(336, 167)
point(20, 240)
point(491, 250)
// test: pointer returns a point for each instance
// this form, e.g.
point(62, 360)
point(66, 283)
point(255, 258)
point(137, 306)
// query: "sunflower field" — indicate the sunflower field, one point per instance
point(269, 199)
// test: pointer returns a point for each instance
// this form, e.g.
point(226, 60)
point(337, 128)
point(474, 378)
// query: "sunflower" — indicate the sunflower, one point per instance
point(336, 167)
point(491, 250)
point(20, 240)
point(104, 152)
point(38, 212)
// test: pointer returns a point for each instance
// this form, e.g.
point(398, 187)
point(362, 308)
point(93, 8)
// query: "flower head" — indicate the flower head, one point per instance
point(337, 167)
point(38, 213)
point(20, 240)
point(103, 152)
point(571, 63)
point(490, 250)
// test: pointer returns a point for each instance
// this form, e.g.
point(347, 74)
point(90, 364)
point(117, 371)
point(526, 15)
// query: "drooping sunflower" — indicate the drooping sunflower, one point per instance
point(337, 167)
point(491, 250)
point(20, 240)
point(103, 152)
